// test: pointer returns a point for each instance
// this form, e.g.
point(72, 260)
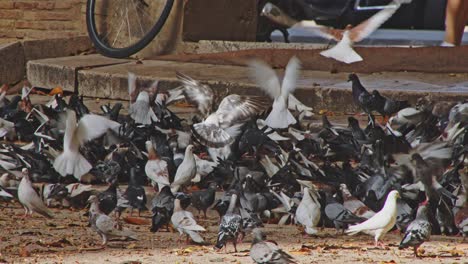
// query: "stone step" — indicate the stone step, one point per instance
point(96, 76)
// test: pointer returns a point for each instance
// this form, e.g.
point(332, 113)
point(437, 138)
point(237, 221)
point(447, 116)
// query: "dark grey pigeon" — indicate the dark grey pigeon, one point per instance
point(418, 231)
point(339, 215)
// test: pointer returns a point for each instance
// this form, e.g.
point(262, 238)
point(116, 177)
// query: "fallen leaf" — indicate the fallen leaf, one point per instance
point(24, 252)
point(136, 221)
point(131, 246)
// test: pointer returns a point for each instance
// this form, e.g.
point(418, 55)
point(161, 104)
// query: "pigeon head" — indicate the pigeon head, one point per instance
point(258, 235)
point(353, 122)
point(416, 158)
point(93, 199)
point(394, 195)
point(352, 77)
point(25, 173)
point(189, 149)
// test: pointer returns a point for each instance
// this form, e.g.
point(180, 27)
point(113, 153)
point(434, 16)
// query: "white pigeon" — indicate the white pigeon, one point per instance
point(186, 170)
point(382, 222)
point(343, 50)
point(90, 126)
point(156, 168)
point(29, 198)
point(308, 212)
point(104, 225)
point(266, 78)
point(140, 109)
point(185, 223)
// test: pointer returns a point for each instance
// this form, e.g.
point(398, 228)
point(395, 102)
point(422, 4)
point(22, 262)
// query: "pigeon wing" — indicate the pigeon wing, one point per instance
point(265, 77)
point(367, 27)
point(92, 126)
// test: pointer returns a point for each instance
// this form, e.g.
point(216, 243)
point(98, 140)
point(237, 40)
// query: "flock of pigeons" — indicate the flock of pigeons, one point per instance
point(408, 172)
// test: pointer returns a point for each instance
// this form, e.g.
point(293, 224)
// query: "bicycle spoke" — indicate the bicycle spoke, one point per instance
point(138, 18)
point(129, 30)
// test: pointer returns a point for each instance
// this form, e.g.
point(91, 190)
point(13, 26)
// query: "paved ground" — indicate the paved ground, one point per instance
point(67, 239)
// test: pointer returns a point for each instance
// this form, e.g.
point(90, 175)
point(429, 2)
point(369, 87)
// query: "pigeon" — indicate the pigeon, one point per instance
point(186, 170)
point(308, 211)
point(204, 199)
point(185, 223)
point(29, 198)
point(266, 251)
point(156, 168)
point(135, 194)
point(382, 222)
point(104, 225)
point(140, 109)
point(70, 161)
point(346, 38)
point(339, 215)
point(195, 93)
point(361, 96)
point(387, 106)
point(163, 206)
point(221, 128)
point(418, 231)
point(108, 199)
point(266, 78)
point(354, 205)
point(230, 228)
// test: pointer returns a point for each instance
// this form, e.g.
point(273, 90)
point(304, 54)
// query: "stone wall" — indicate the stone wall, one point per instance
point(39, 19)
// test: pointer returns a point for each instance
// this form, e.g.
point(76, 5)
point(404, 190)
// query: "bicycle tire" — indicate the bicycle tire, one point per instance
point(124, 52)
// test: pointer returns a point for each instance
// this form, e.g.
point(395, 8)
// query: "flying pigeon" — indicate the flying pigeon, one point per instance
point(266, 78)
point(382, 222)
point(70, 161)
point(194, 92)
point(140, 108)
point(346, 38)
point(418, 231)
point(221, 128)
point(29, 198)
point(266, 251)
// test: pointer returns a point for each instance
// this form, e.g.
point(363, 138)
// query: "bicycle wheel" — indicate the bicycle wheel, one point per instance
point(120, 28)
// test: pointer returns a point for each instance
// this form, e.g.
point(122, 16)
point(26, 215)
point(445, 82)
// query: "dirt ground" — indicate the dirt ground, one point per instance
point(67, 239)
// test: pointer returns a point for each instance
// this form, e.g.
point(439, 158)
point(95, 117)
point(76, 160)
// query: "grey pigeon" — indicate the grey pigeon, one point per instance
point(418, 231)
point(263, 251)
point(230, 227)
point(204, 199)
point(29, 198)
point(185, 223)
point(339, 215)
point(104, 225)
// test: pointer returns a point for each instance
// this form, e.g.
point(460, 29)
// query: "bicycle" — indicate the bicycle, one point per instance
point(121, 28)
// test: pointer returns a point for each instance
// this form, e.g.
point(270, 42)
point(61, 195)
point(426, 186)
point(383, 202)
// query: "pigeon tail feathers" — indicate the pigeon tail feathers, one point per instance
point(72, 163)
point(342, 52)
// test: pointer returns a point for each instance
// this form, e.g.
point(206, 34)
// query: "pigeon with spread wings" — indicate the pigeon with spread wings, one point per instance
point(343, 50)
point(221, 127)
point(266, 78)
point(90, 126)
point(194, 92)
